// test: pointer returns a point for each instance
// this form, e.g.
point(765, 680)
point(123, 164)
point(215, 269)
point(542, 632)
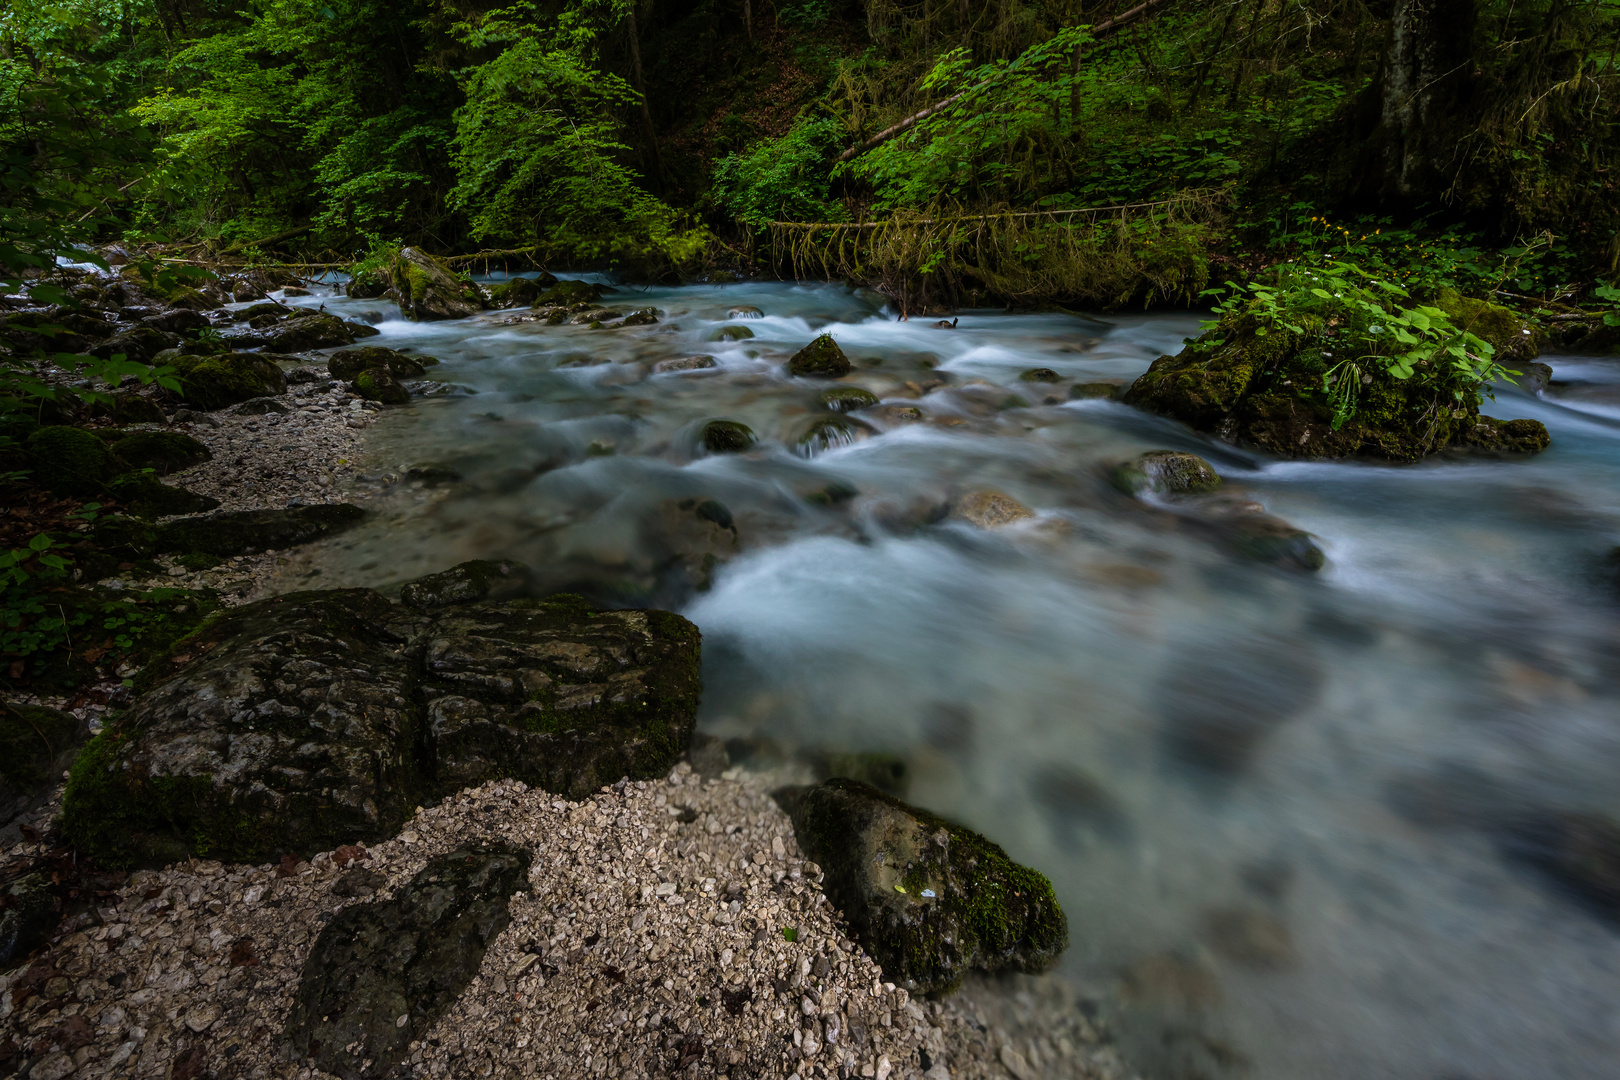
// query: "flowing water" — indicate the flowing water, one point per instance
point(1280, 808)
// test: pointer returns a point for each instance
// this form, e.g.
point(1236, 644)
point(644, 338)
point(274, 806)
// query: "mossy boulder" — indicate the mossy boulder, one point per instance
point(928, 899)
point(140, 344)
point(269, 308)
point(829, 433)
point(381, 974)
point(428, 290)
point(640, 317)
point(1266, 391)
point(312, 719)
point(366, 284)
point(731, 333)
point(378, 384)
point(163, 452)
point(1516, 341)
point(1506, 437)
point(71, 461)
point(466, 583)
point(351, 362)
point(127, 408)
point(570, 294)
point(28, 915)
point(1040, 375)
point(147, 497)
point(822, 358)
point(240, 532)
point(848, 398)
point(214, 382)
point(36, 745)
point(125, 537)
point(1165, 472)
point(520, 292)
point(726, 437)
point(315, 330)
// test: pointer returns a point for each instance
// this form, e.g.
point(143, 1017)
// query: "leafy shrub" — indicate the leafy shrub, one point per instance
point(783, 179)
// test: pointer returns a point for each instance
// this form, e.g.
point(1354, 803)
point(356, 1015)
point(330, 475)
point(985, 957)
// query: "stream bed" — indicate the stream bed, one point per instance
point(1292, 816)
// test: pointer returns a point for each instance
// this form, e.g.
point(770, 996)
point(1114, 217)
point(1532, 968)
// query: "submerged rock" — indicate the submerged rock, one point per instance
point(378, 384)
point(822, 358)
point(468, 582)
point(163, 452)
point(990, 509)
point(731, 333)
point(928, 899)
point(848, 398)
point(522, 291)
point(685, 363)
point(1086, 390)
point(745, 311)
point(1041, 375)
point(829, 433)
point(380, 975)
point(726, 437)
point(1266, 390)
point(1578, 849)
point(242, 531)
point(349, 363)
point(427, 290)
point(213, 382)
point(1165, 472)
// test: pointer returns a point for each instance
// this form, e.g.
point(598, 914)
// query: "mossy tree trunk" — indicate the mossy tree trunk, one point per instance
point(1425, 97)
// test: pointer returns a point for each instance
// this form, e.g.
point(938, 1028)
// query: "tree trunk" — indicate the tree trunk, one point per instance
point(657, 170)
point(748, 19)
point(1423, 99)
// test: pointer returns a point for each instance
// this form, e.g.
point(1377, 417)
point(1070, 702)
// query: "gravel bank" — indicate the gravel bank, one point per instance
point(670, 927)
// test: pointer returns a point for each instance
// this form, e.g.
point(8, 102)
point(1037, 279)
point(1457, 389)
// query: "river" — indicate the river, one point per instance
point(1284, 811)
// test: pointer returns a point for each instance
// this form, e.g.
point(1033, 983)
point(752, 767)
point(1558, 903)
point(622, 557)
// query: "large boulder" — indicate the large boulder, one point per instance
point(285, 726)
point(426, 289)
point(351, 362)
point(378, 384)
point(163, 452)
point(380, 975)
point(556, 694)
point(1516, 341)
point(1266, 390)
point(308, 720)
point(521, 291)
point(214, 382)
point(1165, 472)
point(468, 582)
point(139, 344)
point(316, 330)
point(240, 531)
point(822, 358)
point(71, 461)
point(148, 497)
point(928, 899)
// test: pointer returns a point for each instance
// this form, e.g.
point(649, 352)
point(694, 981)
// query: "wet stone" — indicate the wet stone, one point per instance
point(822, 358)
point(468, 582)
point(381, 974)
point(685, 363)
point(1165, 472)
point(990, 509)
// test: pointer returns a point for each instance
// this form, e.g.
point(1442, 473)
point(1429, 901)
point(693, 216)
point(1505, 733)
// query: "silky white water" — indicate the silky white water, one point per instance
point(1270, 801)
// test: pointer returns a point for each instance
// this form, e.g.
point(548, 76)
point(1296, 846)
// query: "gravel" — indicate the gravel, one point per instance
point(670, 926)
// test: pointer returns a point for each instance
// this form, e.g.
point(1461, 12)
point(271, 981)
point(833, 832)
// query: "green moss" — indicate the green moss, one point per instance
point(213, 382)
point(1514, 339)
point(848, 398)
point(822, 358)
point(569, 293)
point(162, 451)
point(731, 333)
point(70, 461)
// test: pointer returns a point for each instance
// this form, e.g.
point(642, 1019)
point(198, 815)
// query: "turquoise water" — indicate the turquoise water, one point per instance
point(1278, 807)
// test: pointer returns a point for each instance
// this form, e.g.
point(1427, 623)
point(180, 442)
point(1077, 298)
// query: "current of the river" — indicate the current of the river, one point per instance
point(1272, 802)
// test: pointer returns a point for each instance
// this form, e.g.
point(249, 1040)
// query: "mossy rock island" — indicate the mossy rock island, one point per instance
point(214, 382)
point(822, 358)
point(349, 363)
point(1266, 388)
point(428, 290)
point(294, 724)
point(929, 899)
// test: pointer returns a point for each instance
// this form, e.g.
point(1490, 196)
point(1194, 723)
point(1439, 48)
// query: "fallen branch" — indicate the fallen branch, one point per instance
point(276, 239)
point(1106, 26)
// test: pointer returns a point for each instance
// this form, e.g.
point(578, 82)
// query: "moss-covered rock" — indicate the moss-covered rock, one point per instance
point(745, 311)
point(380, 975)
point(829, 433)
point(428, 290)
point(640, 317)
point(366, 284)
point(125, 538)
point(1165, 472)
point(848, 398)
point(928, 899)
point(269, 307)
point(522, 291)
point(570, 294)
point(70, 461)
point(1507, 437)
point(140, 344)
point(127, 408)
point(990, 509)
point(726, 437)
point(684, 363)
point(163, 452)
point(468, 582)
point(1516, 341)
point(36, 745)
point(214, 382)
point(1086, 390)
point(243, 531)
point(822, 358)
point(378, 384)
point(1040, 375)
point(315, 330)
point(147, 497)
point(351, 362)
point(1265, 390)
point(731, 333)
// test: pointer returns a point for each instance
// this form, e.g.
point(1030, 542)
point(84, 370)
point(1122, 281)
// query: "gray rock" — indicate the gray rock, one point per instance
point(466, 583)
point(260, 407)
point(381, 974)
point(316, 330)
point(685, 363)
point(241, 531)
point(27, 916)
point(426, 289)
point(745, 311)
point(928, 899)
point(1165, 472)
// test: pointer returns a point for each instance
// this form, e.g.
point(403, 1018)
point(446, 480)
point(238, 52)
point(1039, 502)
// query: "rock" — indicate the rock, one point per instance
point(1041, 375)
point(1515, 340)
point(351, 362)
point(381, 974)
point(745, 311)
point(292, 724)
point(432, 474)
point(1077, 806)
point(569, 293)
point(264, 406)
point(468, 582)
point(829, 433)
point(556, 694)
point(214, 382)
point(146, 497)
point(990, 509)
point(125, 537)
point(731, 333)
point(177, 320)
point(1265, 390)
point(1165, 472)
point(367, 284)
point(1255, 939)
point(242, 531)
point(726, 437)
point(886, 772)
point(723, 277)
point(378, 384)
point(139, 344)
point(163, 452)
point(428, 290)
point(685, 363)
point(929, 900)
point(36, 745)
point(1578, 849)
point(70, 461)
point(316, 330)
point(28, 915)
point(1267, 539)
point(1502, 437)
point(594, 316)
point(127, 408)
point(269, 307)
point(219, 757)
point(1086, 390)
point(1535, 377)
point(1221, 700)
point(521, 291)
point(822, 358)
point(848, 398)
point(640, 317)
